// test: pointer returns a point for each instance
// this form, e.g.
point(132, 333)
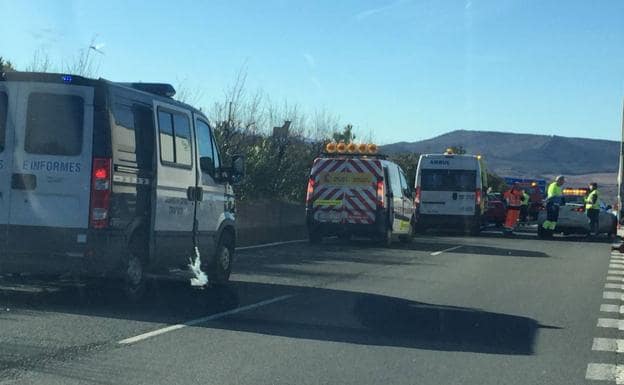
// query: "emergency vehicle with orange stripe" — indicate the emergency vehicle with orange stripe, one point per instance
point(354, 191)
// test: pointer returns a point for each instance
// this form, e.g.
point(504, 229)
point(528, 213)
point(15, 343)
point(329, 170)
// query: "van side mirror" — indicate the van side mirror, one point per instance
point(207, 165)
point(609, 207)
point(238, 169)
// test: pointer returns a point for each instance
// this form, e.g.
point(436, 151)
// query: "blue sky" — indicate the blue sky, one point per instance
point(403, 70)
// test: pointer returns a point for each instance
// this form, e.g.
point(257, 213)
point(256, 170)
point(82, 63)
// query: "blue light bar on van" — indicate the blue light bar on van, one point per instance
point(67, 78)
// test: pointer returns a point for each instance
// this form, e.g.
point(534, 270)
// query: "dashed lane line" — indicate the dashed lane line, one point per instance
point(618, 295)
point(610, 323)
point(445, 250)
point(605, 372)
point(609, 308)
point(197, 321)
point(608, 345)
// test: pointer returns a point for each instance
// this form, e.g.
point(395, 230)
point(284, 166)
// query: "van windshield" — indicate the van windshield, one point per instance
point(448, 180)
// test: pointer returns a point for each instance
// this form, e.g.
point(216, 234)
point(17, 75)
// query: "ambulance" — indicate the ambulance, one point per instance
point(451, 192)
point(354, 191)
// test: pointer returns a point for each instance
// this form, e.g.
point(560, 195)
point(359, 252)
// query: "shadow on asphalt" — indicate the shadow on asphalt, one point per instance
point(312, 314)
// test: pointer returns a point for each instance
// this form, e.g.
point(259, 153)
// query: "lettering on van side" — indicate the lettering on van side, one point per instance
point(440, 162)
point(51, 166)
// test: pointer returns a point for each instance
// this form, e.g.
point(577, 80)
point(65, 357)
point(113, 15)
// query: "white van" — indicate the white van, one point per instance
point(450, 192)
point(110, 179)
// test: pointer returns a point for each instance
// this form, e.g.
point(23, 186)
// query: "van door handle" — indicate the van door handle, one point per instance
point(23, 181)
point(195, 194)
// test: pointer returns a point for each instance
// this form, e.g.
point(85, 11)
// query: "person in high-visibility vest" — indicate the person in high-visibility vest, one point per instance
point(554, 199)
point(592, 208)
point(524, 206)
point(514, 200)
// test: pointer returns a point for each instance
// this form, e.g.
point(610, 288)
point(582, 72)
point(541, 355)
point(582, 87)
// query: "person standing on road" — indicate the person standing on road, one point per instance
point(592, 207)
point(513, 197)
point(524, 206)
point(554, 200)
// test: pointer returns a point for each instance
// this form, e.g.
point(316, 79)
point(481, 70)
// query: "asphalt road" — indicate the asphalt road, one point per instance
point(443, 310)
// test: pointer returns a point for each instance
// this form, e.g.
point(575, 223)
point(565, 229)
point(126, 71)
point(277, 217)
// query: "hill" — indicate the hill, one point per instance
point(524, 155)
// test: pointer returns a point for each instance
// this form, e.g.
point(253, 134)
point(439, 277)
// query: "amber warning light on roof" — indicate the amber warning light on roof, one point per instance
point(351, 148)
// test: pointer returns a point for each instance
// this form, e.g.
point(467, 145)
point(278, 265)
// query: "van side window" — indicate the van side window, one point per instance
point(395, 180)
point(54, 124)
point(165, 128)
point(3, 118)
point(175, 138)
point(406, 187)
point(215, 151)
point(204, 143)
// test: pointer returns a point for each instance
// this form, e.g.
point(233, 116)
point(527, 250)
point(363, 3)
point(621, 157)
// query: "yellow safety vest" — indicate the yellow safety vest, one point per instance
point(525, 199)
point(554, 190)
point(589, 198)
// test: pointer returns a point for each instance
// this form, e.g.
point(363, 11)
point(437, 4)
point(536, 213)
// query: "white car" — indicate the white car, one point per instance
point(573, 218)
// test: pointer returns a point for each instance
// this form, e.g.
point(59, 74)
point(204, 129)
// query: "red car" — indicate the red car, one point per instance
point(496, 210)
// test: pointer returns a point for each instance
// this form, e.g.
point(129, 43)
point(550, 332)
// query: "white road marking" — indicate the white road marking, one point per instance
point(618, 286)
point(615, 278)
point(613, 295)
point(609, 308)
point(615, 272)
point(616, 266)
point(197, 321)
point(605, 372)
point(270, 244)
point(608, 345)
point(445, 250)
point(610, 323)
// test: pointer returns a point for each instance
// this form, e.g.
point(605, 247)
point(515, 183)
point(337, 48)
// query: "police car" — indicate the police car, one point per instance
point(573, 218)
point(110, 179)
point(352, 190)
point(451, 191)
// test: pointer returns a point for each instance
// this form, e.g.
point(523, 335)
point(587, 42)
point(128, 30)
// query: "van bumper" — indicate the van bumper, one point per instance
point(447, 221)
point(333, 228)
point(54, 251)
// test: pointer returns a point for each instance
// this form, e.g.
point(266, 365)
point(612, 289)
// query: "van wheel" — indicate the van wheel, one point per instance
point(220, 267)
point(314, 236)
point(134, 282)
point(385, 239)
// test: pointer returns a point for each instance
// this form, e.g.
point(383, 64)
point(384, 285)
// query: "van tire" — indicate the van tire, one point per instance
point(220, 267)
point(385, 239)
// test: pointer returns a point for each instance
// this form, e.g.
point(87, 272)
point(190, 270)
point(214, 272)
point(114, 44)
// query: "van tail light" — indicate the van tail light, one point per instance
point(100, 193)
point(417, 196)
point(310, 191)
point(579, 209)
point(478, 197)
point(381, 193)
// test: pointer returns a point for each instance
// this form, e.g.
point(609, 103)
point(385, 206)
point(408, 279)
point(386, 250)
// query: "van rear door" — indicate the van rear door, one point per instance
point(50, 172)
point(5, 160)
point(448, 191)
point(346, 190)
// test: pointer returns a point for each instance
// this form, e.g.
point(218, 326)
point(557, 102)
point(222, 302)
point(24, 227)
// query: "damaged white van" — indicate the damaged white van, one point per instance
point(111, 180)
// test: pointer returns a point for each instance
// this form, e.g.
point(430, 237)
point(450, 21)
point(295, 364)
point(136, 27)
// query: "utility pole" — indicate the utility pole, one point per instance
point(621, 171)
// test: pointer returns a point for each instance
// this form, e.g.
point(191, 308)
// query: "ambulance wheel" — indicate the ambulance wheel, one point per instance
point(315, 237)
point(220, 267)
point(134, 279)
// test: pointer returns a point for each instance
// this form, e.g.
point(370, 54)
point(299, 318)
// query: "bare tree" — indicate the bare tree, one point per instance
point(87, 62)
point(40, 62)
point(188, 93)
